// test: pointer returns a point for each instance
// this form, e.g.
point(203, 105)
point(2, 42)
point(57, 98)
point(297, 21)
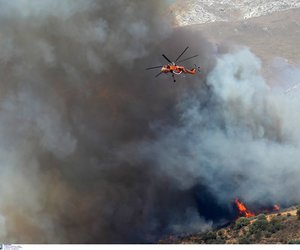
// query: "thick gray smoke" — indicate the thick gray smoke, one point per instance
point(95, 149)
point(74, 93)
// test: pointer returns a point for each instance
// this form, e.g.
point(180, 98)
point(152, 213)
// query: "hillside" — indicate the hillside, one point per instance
point(189, 12)
point(275, 228)
point(274, 35)
point(274, 38)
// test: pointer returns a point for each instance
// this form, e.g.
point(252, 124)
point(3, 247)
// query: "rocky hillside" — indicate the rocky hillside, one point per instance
point(189, 12)
point(275, 228)
point(274, 35)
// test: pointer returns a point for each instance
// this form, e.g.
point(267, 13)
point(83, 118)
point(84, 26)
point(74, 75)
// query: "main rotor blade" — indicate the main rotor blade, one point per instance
point(155, 67)
point(159, 74)
point(181, 54)
point(183, 60)
point(166, 58)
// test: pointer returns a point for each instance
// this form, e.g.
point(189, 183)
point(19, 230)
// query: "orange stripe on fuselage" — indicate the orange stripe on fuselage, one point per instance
point(169, 68)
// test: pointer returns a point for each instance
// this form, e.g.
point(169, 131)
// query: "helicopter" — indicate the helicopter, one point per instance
point(175, 69)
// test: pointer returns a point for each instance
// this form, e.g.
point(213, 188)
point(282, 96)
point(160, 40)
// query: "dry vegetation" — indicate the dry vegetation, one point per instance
point(275, 228)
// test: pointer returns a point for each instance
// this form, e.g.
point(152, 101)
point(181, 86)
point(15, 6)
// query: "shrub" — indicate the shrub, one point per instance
point(259, 225)
point(283, 240)
point(268, 234)
point(298, 213)
point(220, 241)
point(241, 222)
point(257, 235)
point(261, 217)
point(222, 235)
point(244, 240)
point(295, 241)
point(209, 236)
point(274, 225)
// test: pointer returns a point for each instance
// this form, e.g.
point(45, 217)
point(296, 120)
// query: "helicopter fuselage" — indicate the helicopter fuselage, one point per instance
point(176, 69)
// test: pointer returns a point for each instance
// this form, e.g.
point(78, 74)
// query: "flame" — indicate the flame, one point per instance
point(243, 210)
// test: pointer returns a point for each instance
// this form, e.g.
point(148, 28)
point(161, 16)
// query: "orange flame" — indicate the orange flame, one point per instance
point(243, 210)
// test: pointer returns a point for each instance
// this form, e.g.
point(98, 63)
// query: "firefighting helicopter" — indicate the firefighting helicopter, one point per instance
point(175, 69)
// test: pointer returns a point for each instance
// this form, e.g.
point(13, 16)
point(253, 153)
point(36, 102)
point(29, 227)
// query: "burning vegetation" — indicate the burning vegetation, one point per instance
point(243, 210)
point(264, 228)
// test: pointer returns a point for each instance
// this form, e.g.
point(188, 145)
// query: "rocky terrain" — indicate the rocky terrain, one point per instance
point(269, 32)
point(275, 35)
point(189, 12)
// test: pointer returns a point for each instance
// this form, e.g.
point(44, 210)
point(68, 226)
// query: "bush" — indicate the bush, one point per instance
point(274, 225)
point(295, 241)
point(268, 234)
point(241, 222)
point(209, 236)
point(298, 213)
point(259, 225)
point(222, 235)
point(244, 240)
point(283, 240)
point(261, 217)
point(257, 235)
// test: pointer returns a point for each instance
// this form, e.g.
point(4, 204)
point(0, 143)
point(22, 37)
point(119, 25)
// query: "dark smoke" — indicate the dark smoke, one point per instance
point(74, 94)
point(94, 149)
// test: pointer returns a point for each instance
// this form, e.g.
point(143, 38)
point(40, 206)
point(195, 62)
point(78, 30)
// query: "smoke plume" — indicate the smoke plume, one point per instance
point(242, 143)
point(94, 149)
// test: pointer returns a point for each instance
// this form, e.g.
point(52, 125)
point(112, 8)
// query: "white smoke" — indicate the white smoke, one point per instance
point(244, 143)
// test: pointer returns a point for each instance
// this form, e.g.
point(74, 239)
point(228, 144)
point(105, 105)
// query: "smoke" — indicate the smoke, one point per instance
point(74, 94)
point(243, 142)
point(94, 149)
